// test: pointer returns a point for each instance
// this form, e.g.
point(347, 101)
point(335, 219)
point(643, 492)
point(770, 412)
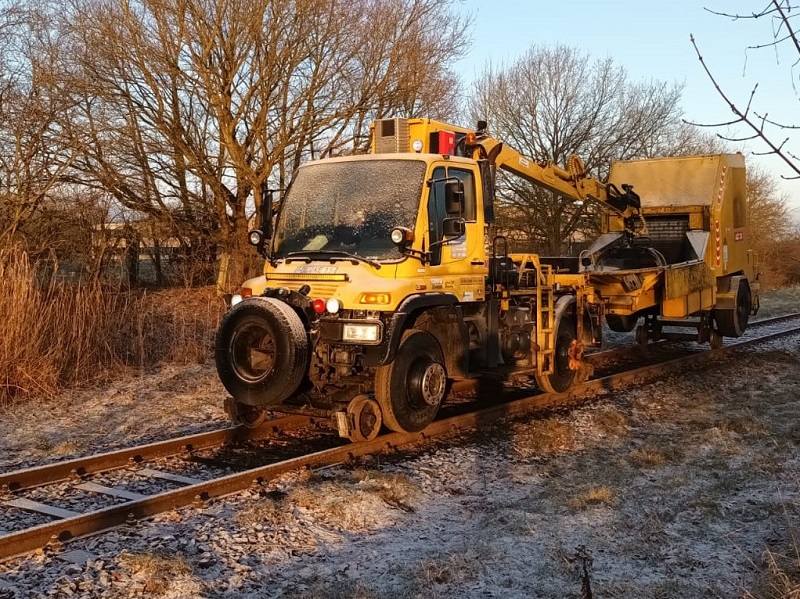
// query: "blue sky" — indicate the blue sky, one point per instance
point(651, 40)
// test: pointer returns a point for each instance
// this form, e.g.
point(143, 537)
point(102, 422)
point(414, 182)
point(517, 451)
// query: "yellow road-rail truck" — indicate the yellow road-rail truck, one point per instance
point(383, 282)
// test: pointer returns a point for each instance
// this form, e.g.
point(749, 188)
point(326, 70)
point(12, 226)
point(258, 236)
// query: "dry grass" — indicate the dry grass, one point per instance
point(335, 503)
point(543, 437)
point(266, 511)
point(648, 457)
point(352, 502)
point(453, 568)
point(779, 579)
point(155, 571)
point(612, 421)
point(660, 407)
point(396, 490)
point(744, 425)
point(341, 589)
point(68, 447)
point(350, 505)
point(59, 334)
point(592, 497)
point(779, 569)
point(508, 519)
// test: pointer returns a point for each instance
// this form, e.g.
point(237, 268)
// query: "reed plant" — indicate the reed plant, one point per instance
point(56, 334)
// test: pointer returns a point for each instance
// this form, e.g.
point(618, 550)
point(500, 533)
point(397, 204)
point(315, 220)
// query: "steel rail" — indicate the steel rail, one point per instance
point(36, 476)
point(774, 319)
point(622, 351)
point(20, 542)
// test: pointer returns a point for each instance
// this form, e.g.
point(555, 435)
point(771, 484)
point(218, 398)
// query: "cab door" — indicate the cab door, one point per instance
point(453, 258)
point(448, 251)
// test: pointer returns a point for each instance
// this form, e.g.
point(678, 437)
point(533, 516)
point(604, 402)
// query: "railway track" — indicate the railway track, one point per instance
point(127, 506)
point(610, 355)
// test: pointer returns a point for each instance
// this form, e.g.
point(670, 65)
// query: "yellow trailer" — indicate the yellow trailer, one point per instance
point(689, 261)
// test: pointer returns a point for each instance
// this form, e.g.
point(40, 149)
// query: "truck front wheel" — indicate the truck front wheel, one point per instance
point(261, 351)
point(411, 388)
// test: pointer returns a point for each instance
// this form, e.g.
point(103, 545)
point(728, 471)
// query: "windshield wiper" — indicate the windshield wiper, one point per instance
point(330, 255)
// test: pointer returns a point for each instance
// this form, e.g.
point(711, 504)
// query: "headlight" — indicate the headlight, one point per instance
point(401, 236)
point(361, 332)
point(255, 237)
point(333, 306)
point(235, 299)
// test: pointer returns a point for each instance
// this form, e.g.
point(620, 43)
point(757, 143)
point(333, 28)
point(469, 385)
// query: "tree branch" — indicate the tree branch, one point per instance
point(743, 116)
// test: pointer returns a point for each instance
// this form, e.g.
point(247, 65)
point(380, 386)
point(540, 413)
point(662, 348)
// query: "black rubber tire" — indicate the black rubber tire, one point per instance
point(621, 324)
point(562, 377)
point(271, 333)
point(398, 384)
point(733, 323)
point(715, 340)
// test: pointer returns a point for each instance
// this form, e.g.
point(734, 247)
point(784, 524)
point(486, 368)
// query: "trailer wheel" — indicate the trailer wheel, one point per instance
point(261, 351)
point(562, 376)
point(621, 324)
point(733, 322)
point(715, 339)
point(410, 389)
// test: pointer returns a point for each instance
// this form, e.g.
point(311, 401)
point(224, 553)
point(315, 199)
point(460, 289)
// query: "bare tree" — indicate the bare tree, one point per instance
point(556, 101)
point(30, 100)
point(770, 229)
point(781, 37)
point(190, 109)
point(401, 69)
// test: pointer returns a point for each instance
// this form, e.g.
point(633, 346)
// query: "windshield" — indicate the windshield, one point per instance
point(350, 207)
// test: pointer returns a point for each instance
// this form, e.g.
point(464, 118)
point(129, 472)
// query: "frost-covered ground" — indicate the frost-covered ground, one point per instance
point(683, 487)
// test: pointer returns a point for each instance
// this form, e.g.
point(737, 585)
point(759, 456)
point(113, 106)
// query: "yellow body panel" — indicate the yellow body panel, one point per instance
point(685, 279)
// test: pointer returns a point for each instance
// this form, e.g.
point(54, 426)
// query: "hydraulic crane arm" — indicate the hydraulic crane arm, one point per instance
point(572, 182)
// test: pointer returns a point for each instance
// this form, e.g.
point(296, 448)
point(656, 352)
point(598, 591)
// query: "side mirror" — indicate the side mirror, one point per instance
point(454, 197)
point(266, 212)
point(453, 227)
point(261, 237)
